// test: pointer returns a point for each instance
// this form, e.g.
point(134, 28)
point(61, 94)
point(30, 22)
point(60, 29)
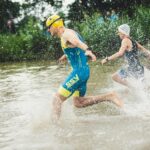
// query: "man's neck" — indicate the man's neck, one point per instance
point(125, 36)
point(61, 31)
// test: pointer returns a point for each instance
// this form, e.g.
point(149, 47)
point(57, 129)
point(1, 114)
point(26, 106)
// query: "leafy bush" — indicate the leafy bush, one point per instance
point(103, 38)
point(142, 17)
point(33, 43)
point(30, 43)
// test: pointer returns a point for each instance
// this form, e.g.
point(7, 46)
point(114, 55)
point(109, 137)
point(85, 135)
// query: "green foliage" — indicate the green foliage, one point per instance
point(8, 9)
point(30, 43)
point(80, 7)
point(33, 43)
point(143, 18)
point(9, 48)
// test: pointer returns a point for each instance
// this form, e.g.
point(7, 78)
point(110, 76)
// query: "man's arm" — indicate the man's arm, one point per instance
point(62, 59)
point(72, 38)
point(120, 53)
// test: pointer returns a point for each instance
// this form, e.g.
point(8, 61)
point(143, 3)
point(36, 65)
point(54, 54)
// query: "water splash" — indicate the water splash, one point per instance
point(137, 98)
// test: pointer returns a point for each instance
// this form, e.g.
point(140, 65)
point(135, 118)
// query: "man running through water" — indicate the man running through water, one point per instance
point(75, 50)
point(129, 49)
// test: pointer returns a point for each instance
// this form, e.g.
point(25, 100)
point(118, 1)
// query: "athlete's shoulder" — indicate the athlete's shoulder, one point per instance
point(69, 33)
point(126, 41)
point(70, 30)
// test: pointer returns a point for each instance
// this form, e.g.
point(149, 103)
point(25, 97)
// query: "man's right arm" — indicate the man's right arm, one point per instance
point(76, 42)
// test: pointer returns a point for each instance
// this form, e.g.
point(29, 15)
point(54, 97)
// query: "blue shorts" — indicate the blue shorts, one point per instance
point(122, 73)
point(75, 83)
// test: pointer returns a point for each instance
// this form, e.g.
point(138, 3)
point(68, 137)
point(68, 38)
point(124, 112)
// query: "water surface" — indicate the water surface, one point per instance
point(26, 92)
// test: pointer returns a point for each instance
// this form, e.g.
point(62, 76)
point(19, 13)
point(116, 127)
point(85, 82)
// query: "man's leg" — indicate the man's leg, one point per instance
point(68, 87)
point(90, 100)
point(57, 105)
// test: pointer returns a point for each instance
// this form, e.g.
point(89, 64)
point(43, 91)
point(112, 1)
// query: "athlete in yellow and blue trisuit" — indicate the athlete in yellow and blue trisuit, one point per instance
point(76, 81)
point(76, 51)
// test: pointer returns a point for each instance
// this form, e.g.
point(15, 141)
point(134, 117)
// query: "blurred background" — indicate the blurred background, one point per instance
point(30, 76)
point(23, 35)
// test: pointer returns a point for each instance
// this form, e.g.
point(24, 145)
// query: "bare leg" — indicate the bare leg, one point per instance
point(83, 102)
point(90, 100)
point(117, 78)
point(57, 104)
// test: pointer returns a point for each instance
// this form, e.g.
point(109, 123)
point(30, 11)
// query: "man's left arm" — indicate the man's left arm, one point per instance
point(62, 59)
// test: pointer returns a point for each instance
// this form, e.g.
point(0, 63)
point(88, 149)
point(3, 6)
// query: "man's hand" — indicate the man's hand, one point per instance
point(62, 59)
point(89, 53)
point(103, 61)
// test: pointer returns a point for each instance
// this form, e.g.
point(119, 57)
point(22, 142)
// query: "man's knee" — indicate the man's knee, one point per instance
point(77, 102)
point(59, 98)
point(114, 76)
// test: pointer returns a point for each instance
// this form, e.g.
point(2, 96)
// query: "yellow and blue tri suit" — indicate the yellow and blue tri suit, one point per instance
point(76, 82)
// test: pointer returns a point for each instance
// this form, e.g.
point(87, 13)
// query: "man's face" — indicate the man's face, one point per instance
point(121, 35)
point(53, 31)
